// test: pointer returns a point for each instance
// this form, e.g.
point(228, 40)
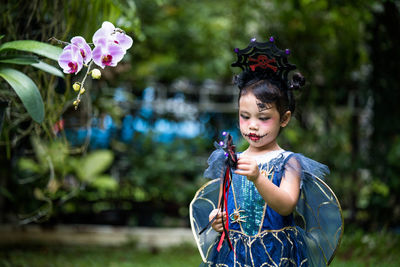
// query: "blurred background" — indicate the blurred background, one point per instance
point(133, 153)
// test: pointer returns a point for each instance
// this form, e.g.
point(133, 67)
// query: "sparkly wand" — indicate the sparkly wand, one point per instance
point(230, 163)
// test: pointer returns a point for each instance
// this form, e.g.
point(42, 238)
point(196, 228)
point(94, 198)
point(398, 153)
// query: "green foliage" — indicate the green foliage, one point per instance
point(198, 50)
point(55, 176)
point(94, 164)
point(163, 172)
point(19, 59)
point(347, 51)
point(26, 90)
point(24, 87)
point(157, 177)
point(370, 248)
point(39, 48)
point(32, 23)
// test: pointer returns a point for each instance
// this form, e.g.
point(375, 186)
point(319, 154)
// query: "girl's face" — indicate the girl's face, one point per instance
point(260, 123)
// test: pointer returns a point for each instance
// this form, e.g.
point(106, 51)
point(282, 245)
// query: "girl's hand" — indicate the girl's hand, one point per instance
point(248, 167)
point(217, 223)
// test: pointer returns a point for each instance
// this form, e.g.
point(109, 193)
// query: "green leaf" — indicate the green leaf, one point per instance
point(27, 91)
point(48, 68)
point(104, 182)
point(27, 164)
point(3, 106)
point(40, 48)
point(6, 193)
point(1, 36)
point(95, 164)
point(19, 59)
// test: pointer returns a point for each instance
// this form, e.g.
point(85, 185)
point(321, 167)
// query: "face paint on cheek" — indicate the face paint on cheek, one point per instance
point(243, 122)
point(270, 126)
point(243, 126)
point(270, 121)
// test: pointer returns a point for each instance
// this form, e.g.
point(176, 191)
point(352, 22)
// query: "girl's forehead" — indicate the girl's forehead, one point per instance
point(250, 103)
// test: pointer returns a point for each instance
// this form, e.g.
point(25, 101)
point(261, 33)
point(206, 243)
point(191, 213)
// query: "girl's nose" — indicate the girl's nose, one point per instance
point(253, 125)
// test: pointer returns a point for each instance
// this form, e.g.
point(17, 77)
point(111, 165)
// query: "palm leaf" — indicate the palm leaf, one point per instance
point(27, 91)
point(39, 48)
point(48, 68)
point(19, 59)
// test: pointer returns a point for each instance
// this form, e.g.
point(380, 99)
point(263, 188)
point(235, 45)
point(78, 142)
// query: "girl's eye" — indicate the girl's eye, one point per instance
point(264, 118)
point(244, 117)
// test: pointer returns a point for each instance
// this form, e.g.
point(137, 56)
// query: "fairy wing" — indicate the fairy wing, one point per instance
point(205, 200)
point(320, 214)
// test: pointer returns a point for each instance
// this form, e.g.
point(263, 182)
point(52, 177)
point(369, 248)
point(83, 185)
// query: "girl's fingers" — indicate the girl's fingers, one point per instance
point(246, 164)
point(242, 166)
point(247, 172)
point(244, 161)
point(241, 172)
point(217, 225)
point(212, 214)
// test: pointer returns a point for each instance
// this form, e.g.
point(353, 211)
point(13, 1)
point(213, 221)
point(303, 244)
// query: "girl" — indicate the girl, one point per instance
point(252, 213)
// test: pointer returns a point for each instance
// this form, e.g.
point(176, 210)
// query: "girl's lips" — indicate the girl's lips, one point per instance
point(254, 137)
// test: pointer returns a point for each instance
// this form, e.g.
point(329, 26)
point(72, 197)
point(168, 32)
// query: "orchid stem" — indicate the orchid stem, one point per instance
point(78, 98)
point(53, 39)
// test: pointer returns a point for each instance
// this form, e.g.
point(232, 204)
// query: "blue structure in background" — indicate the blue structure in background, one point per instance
point(103, 130)
point(98, 135)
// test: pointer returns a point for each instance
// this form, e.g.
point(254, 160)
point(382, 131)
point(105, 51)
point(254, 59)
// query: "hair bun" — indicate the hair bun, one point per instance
point(297, 82)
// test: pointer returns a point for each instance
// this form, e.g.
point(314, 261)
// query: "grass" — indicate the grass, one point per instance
point(357, 249)
point(368, 249)
point(77, 256)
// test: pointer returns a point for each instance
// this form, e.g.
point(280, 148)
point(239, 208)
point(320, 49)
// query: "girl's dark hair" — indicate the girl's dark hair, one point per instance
point(269, 91)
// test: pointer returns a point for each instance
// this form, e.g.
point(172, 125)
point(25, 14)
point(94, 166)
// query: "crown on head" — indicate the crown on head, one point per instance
point(265, 61)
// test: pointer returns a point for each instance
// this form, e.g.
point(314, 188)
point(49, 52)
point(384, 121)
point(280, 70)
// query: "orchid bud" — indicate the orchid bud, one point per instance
point(76, 86)
point(96, 74)
point(82, 91)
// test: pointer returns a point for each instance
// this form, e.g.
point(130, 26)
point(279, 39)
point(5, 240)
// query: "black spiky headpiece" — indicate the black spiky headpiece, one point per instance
point(264, 61)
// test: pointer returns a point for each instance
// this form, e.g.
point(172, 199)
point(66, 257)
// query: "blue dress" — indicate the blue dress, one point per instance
point(259, 235)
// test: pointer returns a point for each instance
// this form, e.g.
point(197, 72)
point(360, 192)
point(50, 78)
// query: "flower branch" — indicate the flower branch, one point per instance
point(110, 46)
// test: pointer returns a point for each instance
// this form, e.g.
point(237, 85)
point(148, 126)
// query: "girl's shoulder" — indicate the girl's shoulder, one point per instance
point(306, 165)
point(285, 159)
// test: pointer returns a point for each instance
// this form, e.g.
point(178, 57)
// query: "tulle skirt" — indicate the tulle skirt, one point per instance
point(284, 247)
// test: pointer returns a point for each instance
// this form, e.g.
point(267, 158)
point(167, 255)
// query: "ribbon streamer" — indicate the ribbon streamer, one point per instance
point(230, 163)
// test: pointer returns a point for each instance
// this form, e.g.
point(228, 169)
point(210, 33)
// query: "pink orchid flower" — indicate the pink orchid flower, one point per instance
point(113, 35)
point(84, 48)
point(71, 60)
point(107, 53)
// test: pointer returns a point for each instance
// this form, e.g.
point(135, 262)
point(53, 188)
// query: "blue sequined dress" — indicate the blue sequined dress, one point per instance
point(259, 235)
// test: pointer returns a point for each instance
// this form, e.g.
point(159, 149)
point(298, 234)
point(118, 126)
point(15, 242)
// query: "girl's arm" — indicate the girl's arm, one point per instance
point(282, 199)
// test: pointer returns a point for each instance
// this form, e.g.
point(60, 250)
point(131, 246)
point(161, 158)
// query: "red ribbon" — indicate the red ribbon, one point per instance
point(226, 186)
